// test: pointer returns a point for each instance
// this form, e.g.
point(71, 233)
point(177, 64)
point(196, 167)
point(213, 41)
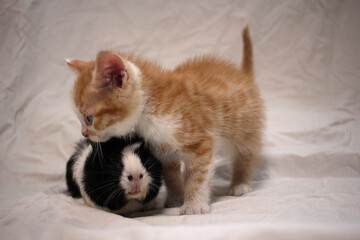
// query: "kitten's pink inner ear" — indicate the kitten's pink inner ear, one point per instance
point(111, 70)
point(77, 65)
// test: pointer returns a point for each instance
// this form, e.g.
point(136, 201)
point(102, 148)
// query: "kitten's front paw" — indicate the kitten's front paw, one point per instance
point(240, 189)
point(190, 208)
point(172, 202)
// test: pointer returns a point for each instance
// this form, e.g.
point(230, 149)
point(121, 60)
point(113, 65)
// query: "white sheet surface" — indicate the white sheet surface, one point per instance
point(307, 59)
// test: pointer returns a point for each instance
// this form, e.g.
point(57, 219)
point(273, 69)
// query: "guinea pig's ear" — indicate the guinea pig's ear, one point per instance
point(143, 152)
point(139, 150)
point(77, 65)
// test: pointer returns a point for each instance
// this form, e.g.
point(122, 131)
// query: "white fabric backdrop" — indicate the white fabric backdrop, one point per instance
point(307, 59)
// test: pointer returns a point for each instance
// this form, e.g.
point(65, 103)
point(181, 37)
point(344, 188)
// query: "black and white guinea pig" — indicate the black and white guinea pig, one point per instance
point(120, 175)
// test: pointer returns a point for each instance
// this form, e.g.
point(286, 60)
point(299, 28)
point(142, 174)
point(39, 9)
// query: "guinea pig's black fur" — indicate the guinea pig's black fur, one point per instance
point(94, 173)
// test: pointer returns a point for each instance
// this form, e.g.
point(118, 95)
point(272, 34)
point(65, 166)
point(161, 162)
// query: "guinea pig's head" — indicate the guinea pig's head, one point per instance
point(135, 180)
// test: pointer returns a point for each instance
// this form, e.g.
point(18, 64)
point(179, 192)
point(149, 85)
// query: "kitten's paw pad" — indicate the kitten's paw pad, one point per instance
point(190, 208)
point(240, 189)
point(173, 202)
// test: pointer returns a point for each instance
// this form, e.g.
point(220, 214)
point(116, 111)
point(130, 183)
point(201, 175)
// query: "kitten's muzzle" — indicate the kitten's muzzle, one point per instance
point(85, 134)
point(84, 131)
point(89, 134)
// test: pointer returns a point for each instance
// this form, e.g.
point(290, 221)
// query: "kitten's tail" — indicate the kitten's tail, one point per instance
point(247, 61)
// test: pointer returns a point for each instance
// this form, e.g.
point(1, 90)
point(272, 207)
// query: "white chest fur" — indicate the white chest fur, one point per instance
point(159, 130)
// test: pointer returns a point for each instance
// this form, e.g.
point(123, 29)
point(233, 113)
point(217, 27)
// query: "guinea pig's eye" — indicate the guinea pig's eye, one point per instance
point(89, 119)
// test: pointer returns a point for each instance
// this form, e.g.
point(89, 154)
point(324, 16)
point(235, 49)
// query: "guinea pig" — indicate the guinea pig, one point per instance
point(119, 176)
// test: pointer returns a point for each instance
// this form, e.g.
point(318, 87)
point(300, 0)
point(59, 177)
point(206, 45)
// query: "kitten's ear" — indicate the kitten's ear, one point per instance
point(77, 65)
point(111, 70)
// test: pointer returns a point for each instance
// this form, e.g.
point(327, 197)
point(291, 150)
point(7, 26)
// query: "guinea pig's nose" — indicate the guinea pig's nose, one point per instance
point(135, 177)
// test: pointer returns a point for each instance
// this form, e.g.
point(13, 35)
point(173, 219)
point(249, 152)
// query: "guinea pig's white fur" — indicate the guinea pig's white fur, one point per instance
point(131, 163)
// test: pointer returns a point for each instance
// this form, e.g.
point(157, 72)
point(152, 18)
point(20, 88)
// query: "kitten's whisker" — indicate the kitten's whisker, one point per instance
point(101, 153)
point(94, 151)
point(98, 155)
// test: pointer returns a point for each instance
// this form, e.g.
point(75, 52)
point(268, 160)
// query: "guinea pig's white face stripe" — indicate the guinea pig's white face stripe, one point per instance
point(132, 162)
point(132, 167)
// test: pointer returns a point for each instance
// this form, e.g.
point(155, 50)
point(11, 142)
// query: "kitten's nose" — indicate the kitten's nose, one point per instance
point(85, 133)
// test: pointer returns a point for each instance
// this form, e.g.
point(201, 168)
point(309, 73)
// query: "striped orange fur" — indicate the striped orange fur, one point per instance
point(206, 108)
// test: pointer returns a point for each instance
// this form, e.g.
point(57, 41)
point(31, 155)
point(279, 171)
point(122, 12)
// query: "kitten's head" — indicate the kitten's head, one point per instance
point(107, 96)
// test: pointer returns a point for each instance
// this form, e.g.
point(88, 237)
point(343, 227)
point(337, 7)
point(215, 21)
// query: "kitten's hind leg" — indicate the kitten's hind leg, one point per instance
point(174, 182)
point(243, 164)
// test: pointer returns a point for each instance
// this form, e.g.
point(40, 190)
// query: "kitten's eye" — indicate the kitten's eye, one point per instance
point(89, 119)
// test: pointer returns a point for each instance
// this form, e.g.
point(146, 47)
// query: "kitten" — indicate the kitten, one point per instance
point(204, 109)
point(120, 175)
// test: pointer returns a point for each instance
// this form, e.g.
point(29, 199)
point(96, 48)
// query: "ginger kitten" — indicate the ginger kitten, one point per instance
point(204, 109)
